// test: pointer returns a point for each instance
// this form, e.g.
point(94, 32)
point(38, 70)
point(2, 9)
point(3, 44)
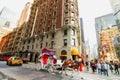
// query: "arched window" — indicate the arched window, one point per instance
point(63, 52)
point(73, 32)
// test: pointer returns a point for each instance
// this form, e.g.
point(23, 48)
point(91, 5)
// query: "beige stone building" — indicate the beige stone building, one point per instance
point(53, 24)
point(106, 40)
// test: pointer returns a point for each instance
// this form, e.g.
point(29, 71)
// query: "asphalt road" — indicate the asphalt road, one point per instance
point(22, 73)
point(28, 72)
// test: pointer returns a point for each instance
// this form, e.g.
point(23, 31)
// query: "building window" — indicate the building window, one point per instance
point(72, 6)
point(23, 48)
point(72, 14)
point(73, 42)
point(33, 40)
point(73, 32)
point(65, 32)
point(47, 36)
point(63, 52)
point(27, 47)
point(66, 21)
point(28, 41)
point(52, 43)
point(55, 13)
point(66, 13)
point(53, 35)
point(65, 42)
point(48, 28)
point(32, 46)
point(41, 45)
point(66, 6)
point(46, 44)
point(36, 45)
point(72, 21)
point(24, 42)
point(42, 38)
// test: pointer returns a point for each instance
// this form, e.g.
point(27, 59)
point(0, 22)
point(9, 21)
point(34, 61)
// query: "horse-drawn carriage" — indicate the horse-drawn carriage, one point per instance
point(46, 60)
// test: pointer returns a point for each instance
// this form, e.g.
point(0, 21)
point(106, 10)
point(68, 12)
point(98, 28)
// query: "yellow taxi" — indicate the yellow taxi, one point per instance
point(14, 61)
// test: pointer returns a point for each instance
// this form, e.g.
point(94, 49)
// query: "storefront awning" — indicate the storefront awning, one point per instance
point(74, 51)
point(63, 55)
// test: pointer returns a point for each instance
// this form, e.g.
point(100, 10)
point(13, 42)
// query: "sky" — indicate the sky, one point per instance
point(88, 10)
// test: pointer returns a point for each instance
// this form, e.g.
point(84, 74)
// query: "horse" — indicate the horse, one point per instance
point(70, 65)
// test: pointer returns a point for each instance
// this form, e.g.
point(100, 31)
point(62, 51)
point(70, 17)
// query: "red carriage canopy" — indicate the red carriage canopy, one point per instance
point(47, 51)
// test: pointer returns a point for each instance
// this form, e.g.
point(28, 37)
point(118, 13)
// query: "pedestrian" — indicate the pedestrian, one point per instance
point(81, 66)
point(99, 67)
point(102, 67)
point(106, 68)
point(116, 66)
point(87, 65)
point(93, 66)
point(111, 67)
point(36, 58)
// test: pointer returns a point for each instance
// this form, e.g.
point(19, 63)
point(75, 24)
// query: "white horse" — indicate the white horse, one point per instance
point(42, 66)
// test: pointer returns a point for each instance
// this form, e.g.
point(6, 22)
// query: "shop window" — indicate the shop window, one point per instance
point(63, 52)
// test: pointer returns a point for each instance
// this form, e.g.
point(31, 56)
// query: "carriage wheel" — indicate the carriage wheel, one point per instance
point(50, 69)
point(38, 66)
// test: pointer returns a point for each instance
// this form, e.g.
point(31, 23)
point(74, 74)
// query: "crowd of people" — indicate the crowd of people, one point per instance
point(102, 67)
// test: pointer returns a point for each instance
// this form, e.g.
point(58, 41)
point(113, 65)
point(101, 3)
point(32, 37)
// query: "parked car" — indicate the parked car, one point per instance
point(14, 61)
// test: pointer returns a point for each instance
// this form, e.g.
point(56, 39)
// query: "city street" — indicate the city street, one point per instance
point(28, 72)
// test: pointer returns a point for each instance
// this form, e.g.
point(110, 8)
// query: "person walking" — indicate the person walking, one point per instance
point(102, 67)
point(93, 66)
point(87, 65)
point(36, 59)
point(111, 67)
point(116, 66)
point(106, 68)
point(99, 67)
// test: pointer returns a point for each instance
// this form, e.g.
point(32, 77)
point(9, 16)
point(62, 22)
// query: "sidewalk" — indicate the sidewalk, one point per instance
point(86, 75)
